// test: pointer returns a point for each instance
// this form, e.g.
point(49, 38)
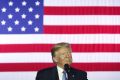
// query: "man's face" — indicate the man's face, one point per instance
point(63, 56)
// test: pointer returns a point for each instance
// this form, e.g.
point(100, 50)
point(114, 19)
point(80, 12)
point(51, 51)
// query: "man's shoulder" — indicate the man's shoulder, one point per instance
point(46, 74)
point(78, 71)
point(47, 70)
point(80, 74)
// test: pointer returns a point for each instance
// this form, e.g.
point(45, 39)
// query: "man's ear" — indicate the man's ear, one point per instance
point(55, 59)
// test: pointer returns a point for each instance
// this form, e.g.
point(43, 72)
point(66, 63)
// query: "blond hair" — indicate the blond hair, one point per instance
point(58, 46)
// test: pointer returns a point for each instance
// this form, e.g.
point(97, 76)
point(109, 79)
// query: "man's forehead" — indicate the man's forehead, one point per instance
point(63, 50)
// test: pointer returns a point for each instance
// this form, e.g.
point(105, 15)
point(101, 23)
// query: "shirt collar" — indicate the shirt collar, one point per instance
point(60, 70)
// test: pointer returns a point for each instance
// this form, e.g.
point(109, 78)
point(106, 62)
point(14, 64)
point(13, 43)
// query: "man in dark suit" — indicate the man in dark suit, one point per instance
point(61, 55)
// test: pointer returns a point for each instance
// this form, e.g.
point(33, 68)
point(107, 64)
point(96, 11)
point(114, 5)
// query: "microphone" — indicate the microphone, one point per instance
point(67, 68)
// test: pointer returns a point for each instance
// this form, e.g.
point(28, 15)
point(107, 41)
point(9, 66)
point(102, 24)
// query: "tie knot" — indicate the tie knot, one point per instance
point(64, 71)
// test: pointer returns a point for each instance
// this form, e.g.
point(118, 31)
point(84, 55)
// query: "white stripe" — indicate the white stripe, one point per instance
point(46, 57)
point(32, 75)
point(56, 38)
point(104, 75)
point(17, 75)
point(81, 20)
point(82, 2)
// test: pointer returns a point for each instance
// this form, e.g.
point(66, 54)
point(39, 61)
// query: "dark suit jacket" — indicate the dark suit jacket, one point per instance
point(52, 74)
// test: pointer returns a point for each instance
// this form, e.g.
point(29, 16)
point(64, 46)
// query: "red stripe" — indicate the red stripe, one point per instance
point(47, 48)
point(81, 10)
point(90, 29)
point(39, 66)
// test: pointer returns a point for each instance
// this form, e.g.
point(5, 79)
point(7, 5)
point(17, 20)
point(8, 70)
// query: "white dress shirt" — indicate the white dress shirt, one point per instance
point(60, 72)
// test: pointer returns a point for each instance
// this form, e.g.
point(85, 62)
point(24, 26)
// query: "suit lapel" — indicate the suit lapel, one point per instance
point(55, 74)
point(72, 75)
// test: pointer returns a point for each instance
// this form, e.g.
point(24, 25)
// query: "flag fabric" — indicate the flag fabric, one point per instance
point(29, 29)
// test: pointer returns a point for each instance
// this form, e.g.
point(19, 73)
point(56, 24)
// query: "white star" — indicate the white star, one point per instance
point(37, 16)
point(17, 9)
point(30, 22)
point(23, 29)
point(10, 16)
point(9, 29)
point(37, 3)
point(4, 9)
point(3, 22)
point(16, 22)
point(36, 29)
point(24, 3)
point(10, 3)
point(30, 9)
point(23, 16)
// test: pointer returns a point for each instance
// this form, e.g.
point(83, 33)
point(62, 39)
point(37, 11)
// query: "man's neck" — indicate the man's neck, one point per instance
point(60, 66)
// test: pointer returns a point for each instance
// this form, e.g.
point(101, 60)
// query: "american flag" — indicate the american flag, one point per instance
point(29, 29)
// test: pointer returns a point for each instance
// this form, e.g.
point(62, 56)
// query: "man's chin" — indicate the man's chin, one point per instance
point(68, 63)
